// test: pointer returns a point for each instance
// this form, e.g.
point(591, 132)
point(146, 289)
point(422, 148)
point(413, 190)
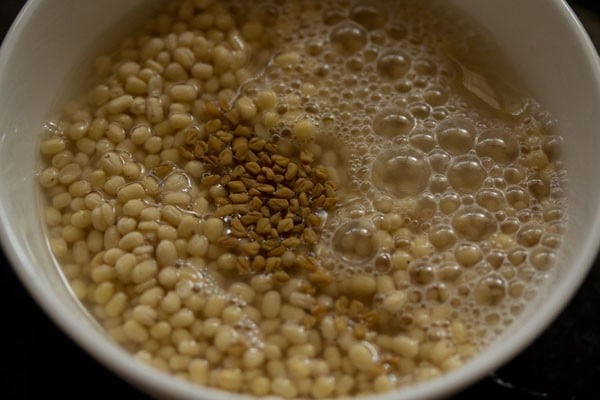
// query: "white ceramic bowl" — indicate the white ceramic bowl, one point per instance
point(50, 42)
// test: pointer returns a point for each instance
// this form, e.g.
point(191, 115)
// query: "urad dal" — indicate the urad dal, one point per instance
point(304, 199)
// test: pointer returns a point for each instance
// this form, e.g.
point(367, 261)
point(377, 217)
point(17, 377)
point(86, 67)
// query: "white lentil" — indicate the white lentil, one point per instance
point(271, 304)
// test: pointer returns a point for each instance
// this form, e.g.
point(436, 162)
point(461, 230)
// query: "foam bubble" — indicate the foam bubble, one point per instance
point(474, 223)
point(355, 242)
point(499, 145)
point(348, 38)
point(466, 174)
point(392, 122)
point(393, 64)
point(456, 135)
point(401, 172)
point(368, 16)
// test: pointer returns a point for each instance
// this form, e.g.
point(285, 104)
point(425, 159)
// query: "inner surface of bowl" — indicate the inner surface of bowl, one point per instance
point(47, 53)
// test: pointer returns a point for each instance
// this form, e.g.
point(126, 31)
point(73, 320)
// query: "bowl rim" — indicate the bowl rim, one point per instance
point(151, 380)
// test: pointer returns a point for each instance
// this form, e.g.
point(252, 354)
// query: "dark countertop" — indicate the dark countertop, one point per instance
point(39, 361)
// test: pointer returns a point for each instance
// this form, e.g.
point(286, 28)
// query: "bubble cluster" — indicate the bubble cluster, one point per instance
point(442, 181)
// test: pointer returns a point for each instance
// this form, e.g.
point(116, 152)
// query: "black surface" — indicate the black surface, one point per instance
point(38, 361)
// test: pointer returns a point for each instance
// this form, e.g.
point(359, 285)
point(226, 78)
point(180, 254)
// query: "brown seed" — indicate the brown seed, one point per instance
point(291, 243)
point(211, 180)
point(269, 173)
point(251, 248)
point(241, 209)
point(225, 137)
point(249, 182)
point(224, 211)
point(191, 135)
point(212, 108)
point(272, 264)
point(236, 186)
point(272, 148)
point(317, 190)
point(252, 168)
point(269, 245)
point(255, 203)
point(285, 225)
point(241, 130)
point(237, 228)
point(303, 185)
point(291, 171)
point(319, 311)
point(341, 323)
point(225, 158)
point(284, 193)
point(237, 172)
point(278, 169)
point(370, 319)
point(251, 156)
point(200, 148)
point(214, 143)
point(320, 173)
point(261, 178)
point(265, 188)
point(163, 169)
point(360, 331)
point(307, 263)
point(306, 158)
point(186, 152)
point(264, 160)
point(305, 212)
point(319, 202)
point(240, 147)
point(255, 236)
point(308, 321)
point(221, 201)
point(329, 203)
point(280, 160)
point(277, 251)
point(275, 218)
point(258, 263)
point(211, 160)
point(263, 226)
point(320, 277)
point(237, 349)
point(278, 204)
point(313, 220)
point(341, 305)
point(303, 199)
point(355, 309)
point(251, 218)
point(309, 236)
point(238, 198)
point(278, 178)
point(294, 205)
point(225, 179)
point(306, 287)
point(212, 125)
point(242, 264)
point(298, 228)
point(256, 144)
point(330, 189)
point(280, 277)
point(227, 242)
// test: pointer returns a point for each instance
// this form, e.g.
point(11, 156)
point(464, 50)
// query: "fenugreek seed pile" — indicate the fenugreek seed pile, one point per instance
point(306, 199)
